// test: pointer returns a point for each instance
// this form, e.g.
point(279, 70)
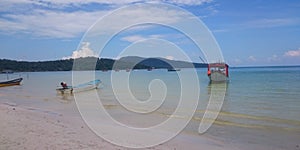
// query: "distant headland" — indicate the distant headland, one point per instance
point(94, 63)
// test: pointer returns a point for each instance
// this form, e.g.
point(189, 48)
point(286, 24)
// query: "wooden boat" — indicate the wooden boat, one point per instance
point(217, 72)
point(79, 88)
point(11, 82)
point(174, 69)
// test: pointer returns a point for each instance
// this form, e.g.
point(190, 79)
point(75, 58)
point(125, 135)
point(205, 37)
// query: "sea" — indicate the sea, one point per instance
point(256, 98)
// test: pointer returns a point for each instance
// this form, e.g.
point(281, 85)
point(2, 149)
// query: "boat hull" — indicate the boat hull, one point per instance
point(80, 88)
point(172, 70)
point(64, 90)
point(218, 72)
point(11, 82)
point(218, 77)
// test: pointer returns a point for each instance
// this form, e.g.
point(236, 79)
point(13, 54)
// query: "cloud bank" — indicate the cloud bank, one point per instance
point(84, 51)
point(136, 38)
point(67, 18)
point(292, 53)
point(133, 38)
point(71, 3)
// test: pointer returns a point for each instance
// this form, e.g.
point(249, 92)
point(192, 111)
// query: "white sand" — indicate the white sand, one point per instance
point(25, 128)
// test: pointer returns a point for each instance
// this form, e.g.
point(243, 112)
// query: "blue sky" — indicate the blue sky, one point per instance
point(249, 33)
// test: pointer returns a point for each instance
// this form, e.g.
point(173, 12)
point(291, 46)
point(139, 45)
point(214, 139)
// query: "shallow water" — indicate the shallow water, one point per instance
point(256, 98)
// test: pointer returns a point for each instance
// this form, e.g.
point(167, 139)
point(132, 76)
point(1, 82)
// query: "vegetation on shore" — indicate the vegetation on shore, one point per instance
point(93, 63)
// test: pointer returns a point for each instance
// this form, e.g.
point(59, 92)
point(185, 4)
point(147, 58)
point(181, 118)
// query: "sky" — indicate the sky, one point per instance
point(248, 33)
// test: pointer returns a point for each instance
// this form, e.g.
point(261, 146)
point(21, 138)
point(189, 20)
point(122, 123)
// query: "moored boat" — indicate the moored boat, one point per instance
point(11, 82)
point(217, 72)
point(150, 68)
point(173, 69)
point(81, 87)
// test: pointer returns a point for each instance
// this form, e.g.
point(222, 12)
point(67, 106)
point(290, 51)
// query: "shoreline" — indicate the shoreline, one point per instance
point(30, 128)
point(36, 128)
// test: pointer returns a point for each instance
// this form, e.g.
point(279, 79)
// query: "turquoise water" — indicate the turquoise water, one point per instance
point(255, 97)
point(264, 97)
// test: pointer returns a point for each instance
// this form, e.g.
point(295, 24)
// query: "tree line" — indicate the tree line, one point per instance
point(90, 63)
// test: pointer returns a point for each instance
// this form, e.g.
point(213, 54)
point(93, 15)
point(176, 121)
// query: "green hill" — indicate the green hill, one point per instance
point(93, 63)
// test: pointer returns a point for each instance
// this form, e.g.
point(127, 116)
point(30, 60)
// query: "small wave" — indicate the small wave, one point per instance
point(110, 106)
point(253, 117)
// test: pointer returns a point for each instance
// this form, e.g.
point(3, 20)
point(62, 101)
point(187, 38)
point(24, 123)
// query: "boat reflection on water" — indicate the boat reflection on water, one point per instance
point(65, 97)
point(216, 92)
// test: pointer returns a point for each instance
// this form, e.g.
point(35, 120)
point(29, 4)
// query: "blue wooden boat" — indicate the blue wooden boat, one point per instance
point(81, 87)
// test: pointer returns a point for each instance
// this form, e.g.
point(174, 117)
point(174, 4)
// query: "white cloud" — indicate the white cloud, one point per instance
point(138, 14)
point(273, 58)
point(84, 51)
point(292, 53)
point(80, 2)
point(133, 38)
point(252, 58)
point(49, 18)
point(60, 24)
point(156, 36)
point(7, 5)
point(170, 57)
point(41, 23)
point(141, 27)
point(188, 2)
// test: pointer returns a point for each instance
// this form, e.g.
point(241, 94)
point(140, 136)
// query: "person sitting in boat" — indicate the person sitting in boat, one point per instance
point(64, 85)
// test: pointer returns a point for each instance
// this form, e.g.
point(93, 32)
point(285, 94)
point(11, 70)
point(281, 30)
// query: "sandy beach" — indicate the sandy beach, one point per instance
point(25, 128)
point(31, 128)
